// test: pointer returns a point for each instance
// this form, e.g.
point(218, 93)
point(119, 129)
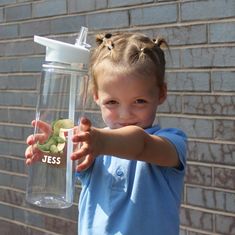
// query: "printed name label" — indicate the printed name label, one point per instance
point(51, 160)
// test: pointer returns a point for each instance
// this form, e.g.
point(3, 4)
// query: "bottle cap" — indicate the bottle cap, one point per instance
point(57, 51)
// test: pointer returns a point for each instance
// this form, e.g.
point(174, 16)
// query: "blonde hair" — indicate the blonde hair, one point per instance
point(128, 53)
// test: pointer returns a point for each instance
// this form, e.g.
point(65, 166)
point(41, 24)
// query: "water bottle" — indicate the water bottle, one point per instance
point(61, 98)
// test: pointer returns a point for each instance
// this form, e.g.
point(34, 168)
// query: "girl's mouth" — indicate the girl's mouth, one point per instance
point(127, 124)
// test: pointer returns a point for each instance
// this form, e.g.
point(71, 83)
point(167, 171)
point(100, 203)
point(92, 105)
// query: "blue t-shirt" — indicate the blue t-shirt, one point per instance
point(123, 197)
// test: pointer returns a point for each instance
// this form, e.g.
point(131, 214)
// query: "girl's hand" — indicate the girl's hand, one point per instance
point(32, 153)
point(86, 153)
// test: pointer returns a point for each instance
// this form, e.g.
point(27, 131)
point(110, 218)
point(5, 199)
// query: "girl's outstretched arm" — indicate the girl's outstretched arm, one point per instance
point(130, 142)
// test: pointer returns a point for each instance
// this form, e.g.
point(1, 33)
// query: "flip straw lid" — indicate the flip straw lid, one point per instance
point(58, 51)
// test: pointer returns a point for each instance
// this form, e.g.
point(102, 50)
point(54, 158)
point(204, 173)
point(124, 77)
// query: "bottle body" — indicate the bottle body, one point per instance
point(60, 104)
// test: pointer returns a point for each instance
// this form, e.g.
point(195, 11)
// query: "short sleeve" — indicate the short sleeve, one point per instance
point(179, 140)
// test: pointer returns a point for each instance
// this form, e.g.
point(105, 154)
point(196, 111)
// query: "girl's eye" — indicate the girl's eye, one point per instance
point(140, 101)
point(111, 102)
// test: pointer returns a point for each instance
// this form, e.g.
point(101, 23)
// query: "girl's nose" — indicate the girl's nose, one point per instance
point(124, 113)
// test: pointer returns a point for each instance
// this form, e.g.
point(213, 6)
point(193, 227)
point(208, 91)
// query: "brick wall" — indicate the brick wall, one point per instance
point(201, 101)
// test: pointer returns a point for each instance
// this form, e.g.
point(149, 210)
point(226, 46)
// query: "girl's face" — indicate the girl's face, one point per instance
point(128, 100)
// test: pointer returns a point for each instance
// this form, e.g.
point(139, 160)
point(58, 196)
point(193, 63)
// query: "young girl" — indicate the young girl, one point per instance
point(132, 171)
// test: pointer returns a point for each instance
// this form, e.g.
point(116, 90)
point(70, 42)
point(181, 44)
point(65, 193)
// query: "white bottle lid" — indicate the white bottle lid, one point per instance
point(57, 51)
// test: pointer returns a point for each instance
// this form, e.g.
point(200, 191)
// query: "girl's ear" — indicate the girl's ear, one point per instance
point(96, 97)
point(162, 93)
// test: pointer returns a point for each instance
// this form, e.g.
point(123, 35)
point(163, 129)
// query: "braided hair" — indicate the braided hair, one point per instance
point(128, 53)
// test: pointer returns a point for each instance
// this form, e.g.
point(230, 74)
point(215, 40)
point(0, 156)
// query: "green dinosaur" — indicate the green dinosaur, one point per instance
point(56, 143)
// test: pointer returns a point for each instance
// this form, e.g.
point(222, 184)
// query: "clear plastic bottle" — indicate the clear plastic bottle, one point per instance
point(61, 99)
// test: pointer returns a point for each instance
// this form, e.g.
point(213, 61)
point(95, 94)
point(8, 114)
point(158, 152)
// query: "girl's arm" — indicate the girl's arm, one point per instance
point(129, 142)
point(134, 143)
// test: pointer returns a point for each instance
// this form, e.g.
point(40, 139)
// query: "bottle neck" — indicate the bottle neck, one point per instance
point(78, 67)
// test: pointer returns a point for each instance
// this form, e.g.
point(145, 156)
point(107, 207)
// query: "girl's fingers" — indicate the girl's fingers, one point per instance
point(43, 126)
point(84, 153)
point(85, 124)
point(32, 154)
point(33, 159)
point(85, 164)
point(33, 139)
point(39, 137)
point(30, 140)
point(28, 152)
point(81, 137)
point(84, 150)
